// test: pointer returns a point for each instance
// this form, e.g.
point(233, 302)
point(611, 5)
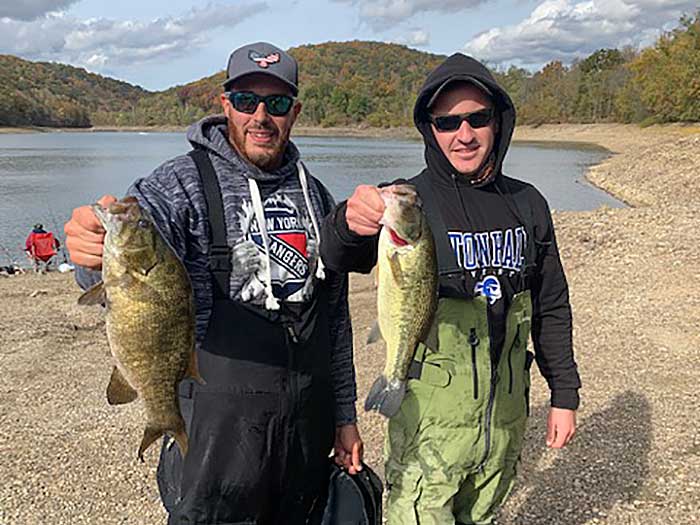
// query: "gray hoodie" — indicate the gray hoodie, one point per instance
point(173, 194)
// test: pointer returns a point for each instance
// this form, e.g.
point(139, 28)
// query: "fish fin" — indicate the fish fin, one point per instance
point(375, 334)
point(119, 391)
point(177, 431)
point(431, 338)
point(93, 295)
point(182, 442)
point(386, 397)
point(150, 435)
point(395, 265)
point(193, 369)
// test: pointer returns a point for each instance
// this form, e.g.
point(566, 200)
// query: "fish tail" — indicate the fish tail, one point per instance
point(154, 432)
point(385, 397)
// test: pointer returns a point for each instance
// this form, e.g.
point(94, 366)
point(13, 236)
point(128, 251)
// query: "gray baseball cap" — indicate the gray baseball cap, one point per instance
point(458, 78)
point(265, 59)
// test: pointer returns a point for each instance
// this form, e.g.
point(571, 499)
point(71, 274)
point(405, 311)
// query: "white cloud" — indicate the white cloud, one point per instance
point(569, 29)
point(416, 37)
point(99, 43)
point(378, 13)
point(31, 9)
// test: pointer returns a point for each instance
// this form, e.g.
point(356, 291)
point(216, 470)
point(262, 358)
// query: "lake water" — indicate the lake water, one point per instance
point(43, 176)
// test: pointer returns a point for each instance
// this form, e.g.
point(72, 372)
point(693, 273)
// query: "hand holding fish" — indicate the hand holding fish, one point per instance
point(85, 235)
point(150, 316)
point(364, 210)
point(406, 292)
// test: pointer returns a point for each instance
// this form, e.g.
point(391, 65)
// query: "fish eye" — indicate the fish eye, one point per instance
point(143, 223)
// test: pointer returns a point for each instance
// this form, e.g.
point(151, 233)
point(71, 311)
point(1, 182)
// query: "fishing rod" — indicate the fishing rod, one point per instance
point(54, 224)
point(8, 255)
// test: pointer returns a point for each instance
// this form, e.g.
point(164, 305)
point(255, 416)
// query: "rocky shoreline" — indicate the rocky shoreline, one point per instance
point(634, 275)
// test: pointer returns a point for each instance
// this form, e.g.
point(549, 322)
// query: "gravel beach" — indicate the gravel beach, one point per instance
point(634, 276)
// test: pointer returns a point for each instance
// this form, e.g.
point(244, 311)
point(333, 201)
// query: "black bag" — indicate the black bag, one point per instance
point(353, 500)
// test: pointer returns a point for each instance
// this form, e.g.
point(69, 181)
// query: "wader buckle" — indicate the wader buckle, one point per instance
point(220, 259)
point(429, 373)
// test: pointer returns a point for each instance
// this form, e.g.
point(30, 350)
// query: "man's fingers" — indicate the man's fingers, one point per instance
point(362, 225)
point(362, 210)
point(85, 247)
point(85, 235)
point(74, 229)
point(570, 436)
point(551, 433)
point(87, 261)
point(78, 246)
point(560, 440)
point(83, 220)
point(357, 456)
point(371, 195)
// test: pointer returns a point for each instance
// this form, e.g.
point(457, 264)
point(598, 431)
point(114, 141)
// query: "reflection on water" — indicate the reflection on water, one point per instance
point(43, 176)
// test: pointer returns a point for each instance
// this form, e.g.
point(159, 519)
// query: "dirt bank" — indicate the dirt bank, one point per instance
point(635, 286)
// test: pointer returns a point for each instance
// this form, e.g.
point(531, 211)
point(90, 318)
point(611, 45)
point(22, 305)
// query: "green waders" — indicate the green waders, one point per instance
point(453, 447)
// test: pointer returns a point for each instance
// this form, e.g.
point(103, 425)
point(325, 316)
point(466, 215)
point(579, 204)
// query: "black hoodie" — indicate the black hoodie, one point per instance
point(490, 228)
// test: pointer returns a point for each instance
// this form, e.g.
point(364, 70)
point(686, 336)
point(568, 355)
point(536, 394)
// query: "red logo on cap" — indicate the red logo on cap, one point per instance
point(264, 61)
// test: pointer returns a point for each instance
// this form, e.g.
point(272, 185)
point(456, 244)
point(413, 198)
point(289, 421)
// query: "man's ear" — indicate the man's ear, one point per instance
point(296, 109)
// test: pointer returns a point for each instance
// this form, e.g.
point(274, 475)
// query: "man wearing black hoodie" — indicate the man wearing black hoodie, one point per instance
point(453, 447)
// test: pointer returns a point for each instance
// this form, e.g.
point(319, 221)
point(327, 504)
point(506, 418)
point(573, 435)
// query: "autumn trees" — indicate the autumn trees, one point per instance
point(376, 84)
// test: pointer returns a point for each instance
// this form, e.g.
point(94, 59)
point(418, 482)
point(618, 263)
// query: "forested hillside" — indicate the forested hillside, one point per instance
point(45, 94)
point(375, 84)
point(341, 83)
point(659, 84)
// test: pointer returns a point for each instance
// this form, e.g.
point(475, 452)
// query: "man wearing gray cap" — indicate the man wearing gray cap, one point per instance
point(274, 344)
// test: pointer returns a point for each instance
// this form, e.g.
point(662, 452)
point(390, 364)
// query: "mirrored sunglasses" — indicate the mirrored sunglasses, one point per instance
point(247, 102)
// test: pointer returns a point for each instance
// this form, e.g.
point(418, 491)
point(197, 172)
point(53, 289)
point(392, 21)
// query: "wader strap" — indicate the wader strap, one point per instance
point(415, 370)
point(449, 272)
point(430, 373)
point(219, 251)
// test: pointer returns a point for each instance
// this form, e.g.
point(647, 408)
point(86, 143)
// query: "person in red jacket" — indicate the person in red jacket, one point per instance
point(41, 247)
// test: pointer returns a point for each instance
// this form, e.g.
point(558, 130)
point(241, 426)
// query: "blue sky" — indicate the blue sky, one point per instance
point(160, 43)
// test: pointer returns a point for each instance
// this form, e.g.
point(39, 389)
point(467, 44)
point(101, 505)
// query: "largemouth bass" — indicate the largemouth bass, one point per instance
point(406, 292)
point(150, 319)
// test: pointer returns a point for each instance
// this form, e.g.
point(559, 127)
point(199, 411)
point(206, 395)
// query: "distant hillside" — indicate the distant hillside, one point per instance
point(361, 82)
point(46, 94)
point(375, 84)
point(340, 84)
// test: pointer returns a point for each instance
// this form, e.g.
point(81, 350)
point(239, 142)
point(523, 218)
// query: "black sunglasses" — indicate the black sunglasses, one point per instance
point(478, 119)
point(247, 102)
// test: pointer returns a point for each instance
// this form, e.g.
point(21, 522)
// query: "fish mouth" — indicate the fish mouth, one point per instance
point(117, 214)
point(396, 239)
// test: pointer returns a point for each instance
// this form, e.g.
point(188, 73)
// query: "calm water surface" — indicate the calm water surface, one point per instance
point(43, 176)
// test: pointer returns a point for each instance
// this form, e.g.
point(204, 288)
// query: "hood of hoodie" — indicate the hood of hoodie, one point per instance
point(462, 67)
point(211, 133)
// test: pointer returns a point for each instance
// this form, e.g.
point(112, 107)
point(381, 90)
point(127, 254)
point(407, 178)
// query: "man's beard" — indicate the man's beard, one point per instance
point(268, 158)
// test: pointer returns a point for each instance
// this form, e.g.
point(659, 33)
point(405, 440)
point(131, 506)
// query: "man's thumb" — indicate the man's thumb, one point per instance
point(106, 200)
